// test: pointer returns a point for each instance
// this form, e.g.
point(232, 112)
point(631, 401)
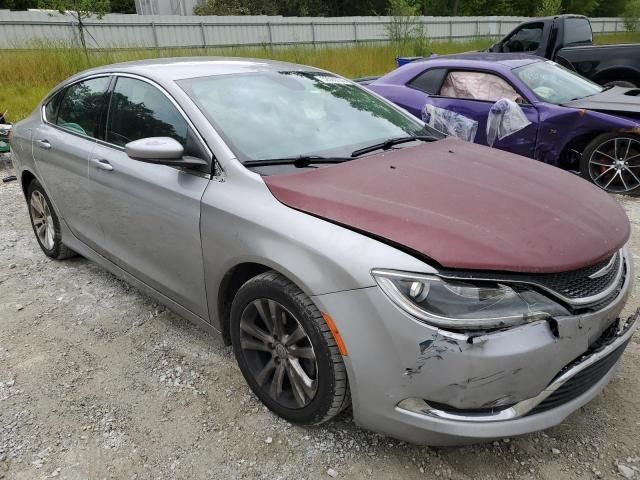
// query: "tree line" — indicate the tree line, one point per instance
point(340, 8)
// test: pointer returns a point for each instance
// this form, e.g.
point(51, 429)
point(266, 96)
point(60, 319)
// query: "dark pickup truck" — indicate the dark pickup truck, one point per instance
point(568, 40)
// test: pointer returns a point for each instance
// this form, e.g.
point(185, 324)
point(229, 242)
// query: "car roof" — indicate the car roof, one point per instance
point(501, 63)
point(179, 68)
point(509, 60)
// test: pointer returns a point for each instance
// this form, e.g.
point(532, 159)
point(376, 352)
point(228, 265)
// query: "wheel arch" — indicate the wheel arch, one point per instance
point(618, 73)
point(25, 180)
point(572, 150)
point(231, 282)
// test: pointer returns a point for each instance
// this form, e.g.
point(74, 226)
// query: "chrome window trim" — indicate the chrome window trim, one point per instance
point(48, 98)
point(217, 167)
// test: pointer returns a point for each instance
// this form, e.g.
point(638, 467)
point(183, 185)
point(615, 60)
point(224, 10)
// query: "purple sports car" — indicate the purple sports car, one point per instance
point(574, 124)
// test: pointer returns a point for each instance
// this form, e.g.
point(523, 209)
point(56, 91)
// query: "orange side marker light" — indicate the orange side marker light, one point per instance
point(336, 334)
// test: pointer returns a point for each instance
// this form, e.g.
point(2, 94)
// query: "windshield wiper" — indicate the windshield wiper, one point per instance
point(301, 161)
point(604, 89)
point(387, 144)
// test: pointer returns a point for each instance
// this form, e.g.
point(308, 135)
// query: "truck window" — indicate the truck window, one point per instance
point(577, 30)
point(527, 38)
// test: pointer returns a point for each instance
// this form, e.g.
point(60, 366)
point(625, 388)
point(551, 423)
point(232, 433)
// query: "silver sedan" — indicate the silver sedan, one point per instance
point(350, 254)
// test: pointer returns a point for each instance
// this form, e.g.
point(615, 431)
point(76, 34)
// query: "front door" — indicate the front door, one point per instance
point(472, 94)
point(150, 214)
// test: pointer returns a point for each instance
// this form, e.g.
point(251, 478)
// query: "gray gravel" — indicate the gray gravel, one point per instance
point(98, 381)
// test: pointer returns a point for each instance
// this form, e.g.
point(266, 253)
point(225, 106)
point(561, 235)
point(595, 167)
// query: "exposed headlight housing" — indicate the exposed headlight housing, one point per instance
point(465, 305)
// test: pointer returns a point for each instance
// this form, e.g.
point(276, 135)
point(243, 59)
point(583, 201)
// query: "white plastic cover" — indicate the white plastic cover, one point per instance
point(505, 118)
point(450, 123)
point(477, 85)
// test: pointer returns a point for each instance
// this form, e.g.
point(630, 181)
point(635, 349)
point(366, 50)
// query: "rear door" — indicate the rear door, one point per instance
point(149, 214)
point(62, 145)
point(472, 93)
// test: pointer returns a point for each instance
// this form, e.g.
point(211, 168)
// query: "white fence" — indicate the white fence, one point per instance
point(26, 29)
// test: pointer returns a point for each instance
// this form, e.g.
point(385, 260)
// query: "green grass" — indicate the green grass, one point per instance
point(27, 75)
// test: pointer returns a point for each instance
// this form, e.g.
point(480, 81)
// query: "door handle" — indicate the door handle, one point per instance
point(44, 144)
point(102, 164)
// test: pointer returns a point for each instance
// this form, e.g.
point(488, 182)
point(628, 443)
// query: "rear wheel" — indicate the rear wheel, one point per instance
point(612, 162)
point(45, 223)
point(286, 351)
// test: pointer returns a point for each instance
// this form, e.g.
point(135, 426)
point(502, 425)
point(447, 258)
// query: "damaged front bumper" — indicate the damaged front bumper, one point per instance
point(419, 383)
point(573, 381)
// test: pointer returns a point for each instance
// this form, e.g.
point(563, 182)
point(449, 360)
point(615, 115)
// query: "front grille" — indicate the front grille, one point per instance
point(577, 284)
point(572, 285)
point(580, 383)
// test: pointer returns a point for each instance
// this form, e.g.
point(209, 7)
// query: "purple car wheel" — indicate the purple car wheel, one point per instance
point(612, 162)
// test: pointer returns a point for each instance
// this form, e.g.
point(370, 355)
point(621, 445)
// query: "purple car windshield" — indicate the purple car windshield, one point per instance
point(553, 83)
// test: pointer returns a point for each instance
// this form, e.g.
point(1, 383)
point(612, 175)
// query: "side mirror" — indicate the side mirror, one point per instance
point(496, 47)
point(161, 151)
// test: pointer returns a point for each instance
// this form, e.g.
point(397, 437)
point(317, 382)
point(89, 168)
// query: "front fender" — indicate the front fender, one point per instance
point(242, 222)
point(560, 126)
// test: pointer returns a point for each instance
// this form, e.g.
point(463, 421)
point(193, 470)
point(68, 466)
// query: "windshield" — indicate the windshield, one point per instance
point(272, 114)
point(555, 84)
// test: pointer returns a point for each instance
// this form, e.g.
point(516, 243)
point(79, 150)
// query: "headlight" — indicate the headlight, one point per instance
point(465, 305)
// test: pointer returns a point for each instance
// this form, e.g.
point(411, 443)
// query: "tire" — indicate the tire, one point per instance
point(612, 162)
point(619, 83)
point(268, 361)
point(45, 223)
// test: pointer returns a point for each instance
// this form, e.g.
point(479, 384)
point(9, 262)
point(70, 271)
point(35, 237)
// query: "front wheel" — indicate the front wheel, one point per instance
point(612, 162)
point(287, 352)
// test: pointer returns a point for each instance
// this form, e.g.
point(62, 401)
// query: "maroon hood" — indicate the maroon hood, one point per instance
point(465, 206)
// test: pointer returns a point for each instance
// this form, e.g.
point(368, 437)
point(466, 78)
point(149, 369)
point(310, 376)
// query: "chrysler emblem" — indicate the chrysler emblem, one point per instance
point(604, 270)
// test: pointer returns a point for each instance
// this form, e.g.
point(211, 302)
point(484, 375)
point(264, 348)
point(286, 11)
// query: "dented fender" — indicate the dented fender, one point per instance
point(559, 126)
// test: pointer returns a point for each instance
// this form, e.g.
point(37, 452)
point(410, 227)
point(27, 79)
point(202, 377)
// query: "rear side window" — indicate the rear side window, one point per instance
point(577, 30)
point(139, 110)
point(429, 81)
point(80, 107)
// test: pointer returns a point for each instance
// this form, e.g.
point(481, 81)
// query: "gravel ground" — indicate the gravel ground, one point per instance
point(98, 381)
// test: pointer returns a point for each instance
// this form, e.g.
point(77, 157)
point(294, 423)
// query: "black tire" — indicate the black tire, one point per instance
point(56, 249)
point(614, 174)
point(620, 83)
point(332, 390)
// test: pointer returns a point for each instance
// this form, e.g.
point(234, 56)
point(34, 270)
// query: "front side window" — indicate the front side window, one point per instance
point(477, 86)
point(555, 84)
point(79, 109)
point(526, 39)
point(139, 110)
point(272, 114)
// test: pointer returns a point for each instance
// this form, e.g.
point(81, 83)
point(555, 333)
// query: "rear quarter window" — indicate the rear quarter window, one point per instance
point(51, 107)
point(429, 81)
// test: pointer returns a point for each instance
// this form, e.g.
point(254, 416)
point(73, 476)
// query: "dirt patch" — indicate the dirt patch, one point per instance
point(98, 381)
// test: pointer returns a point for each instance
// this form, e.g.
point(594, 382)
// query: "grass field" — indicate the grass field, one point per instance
point(27, 75)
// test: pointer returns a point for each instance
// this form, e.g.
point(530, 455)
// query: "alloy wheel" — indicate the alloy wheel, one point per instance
point(279, 353)
point(615, 165)
point(42, 219)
